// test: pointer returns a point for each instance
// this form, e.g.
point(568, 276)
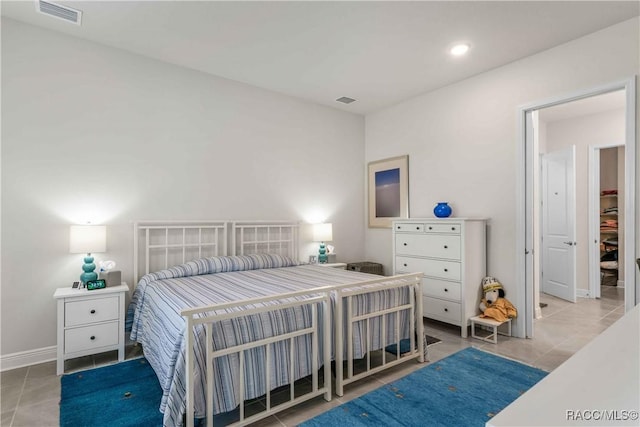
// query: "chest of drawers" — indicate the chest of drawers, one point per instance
point(452, 255)
point(90, 322)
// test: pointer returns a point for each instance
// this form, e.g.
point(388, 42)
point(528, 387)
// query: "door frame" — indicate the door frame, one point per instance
point(525, 246)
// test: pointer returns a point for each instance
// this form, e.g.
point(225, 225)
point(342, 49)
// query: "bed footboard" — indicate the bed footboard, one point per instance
point(411, 310)
point(318, 301)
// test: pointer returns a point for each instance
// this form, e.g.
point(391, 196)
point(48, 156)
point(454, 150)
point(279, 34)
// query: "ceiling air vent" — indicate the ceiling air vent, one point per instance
point(345, 100)
point(58, 11)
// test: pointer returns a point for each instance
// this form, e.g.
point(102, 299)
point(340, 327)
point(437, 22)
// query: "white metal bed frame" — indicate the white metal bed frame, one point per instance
point(281, 237)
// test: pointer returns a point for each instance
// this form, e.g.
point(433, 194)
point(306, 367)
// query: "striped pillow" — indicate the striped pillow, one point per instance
point(221, 264)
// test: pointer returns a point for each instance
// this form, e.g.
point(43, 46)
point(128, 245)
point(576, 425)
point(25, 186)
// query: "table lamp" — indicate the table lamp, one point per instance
point(88, 239)
point(322, 233)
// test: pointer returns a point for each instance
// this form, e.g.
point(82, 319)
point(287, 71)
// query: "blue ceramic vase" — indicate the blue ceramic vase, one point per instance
point(442, 210)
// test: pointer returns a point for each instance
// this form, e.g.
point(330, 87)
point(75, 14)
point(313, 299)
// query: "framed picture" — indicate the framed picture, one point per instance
point(388, 191)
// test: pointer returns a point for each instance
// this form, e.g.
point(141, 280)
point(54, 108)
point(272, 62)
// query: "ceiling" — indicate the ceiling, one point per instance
point(584, 107)
point(379, 53)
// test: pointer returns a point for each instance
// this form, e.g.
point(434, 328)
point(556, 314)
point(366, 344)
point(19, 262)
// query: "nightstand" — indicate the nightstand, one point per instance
point(90, 322)
point(340, 265)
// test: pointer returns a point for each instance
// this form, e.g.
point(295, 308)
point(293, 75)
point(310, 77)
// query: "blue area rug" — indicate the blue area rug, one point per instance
point(464, 389)
point(125, 394)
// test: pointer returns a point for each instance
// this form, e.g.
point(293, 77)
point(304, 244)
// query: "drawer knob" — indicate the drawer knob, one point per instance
point(445, 270)
point(453, 228)
point(446, 247)
point(446, 309)
point(404, 244)
point(398, 227)
point(404, 265)
point(93, 337)
point(418, 228)
point(430, 228)
point(92, 312)
point(446, 290)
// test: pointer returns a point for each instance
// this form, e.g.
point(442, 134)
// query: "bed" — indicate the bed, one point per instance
point(244, 318)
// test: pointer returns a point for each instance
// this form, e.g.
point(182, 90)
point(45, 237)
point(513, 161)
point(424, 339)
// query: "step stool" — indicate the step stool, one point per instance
point(490, 323)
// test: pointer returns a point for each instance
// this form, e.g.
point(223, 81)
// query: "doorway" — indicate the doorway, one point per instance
point(529, 218)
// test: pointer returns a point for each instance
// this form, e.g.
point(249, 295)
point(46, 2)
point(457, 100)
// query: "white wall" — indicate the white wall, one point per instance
point(461, 139)
point(92, 133)
point(583, 132)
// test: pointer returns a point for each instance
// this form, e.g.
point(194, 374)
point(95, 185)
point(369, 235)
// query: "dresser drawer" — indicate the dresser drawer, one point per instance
point(441, 289)
point(91, 311)
point(90, 337)
point(430, 267)
point(445, 311)
point(409, 226)
point(433, 246)
point(439, 227)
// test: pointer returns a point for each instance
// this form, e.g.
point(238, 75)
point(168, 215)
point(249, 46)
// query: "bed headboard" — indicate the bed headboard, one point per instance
point(158, 245)
point(255, 237)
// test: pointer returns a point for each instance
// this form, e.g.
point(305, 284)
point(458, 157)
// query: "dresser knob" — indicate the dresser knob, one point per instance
point(446, 247)
point(398, 227)
point(93, 337)
point(418, 228)
point(404, 244)
point(446, 290)
point(446, 309)
point(445, 270)
point(453, 228)
point(92, 312)
point(430, 228)
point(405, 265)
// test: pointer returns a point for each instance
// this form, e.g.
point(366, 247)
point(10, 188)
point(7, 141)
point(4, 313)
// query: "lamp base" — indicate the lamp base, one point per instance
point(88, 267)
point(322, 254)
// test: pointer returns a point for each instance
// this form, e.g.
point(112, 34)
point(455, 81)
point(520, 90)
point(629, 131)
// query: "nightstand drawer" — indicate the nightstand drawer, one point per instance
point(449, 228)
point(441, 289)
point(438, 246)
point(438, 309)
point(89, 337)
point(91, 311)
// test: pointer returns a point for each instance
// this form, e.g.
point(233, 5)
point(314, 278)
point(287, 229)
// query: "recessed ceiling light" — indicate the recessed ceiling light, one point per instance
point(459, 49)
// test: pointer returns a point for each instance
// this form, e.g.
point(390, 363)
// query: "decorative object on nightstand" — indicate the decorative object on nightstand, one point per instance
point(88, 239)
point(322, 233)
point(442, 210)
point(90, 322)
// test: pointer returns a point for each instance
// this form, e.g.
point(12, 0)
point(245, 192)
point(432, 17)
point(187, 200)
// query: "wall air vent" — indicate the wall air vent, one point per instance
point(58, 11)
point(345, 100)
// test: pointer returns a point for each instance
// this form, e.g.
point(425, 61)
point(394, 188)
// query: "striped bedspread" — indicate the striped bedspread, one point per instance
point(158, 326)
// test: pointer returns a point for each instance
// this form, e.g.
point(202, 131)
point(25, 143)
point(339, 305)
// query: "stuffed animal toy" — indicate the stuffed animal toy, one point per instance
point(494, 304)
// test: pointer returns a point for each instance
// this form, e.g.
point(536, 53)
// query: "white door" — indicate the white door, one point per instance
point(558, 224)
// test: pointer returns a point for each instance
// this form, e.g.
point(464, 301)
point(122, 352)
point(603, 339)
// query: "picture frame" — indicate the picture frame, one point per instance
point(388, 191)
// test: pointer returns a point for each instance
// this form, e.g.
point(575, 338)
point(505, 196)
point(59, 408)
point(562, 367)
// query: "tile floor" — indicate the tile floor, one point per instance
point(30, 395)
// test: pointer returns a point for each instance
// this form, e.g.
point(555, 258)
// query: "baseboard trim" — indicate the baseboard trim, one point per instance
point(27, 358)
point(583, 293)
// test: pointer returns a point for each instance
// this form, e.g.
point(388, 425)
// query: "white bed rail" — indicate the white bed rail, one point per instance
point(318, 300)
point(347, 294)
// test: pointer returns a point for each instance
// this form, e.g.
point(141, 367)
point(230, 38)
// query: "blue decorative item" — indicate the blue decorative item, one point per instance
point(442, 210)
point(322, 254)
point(88, 267)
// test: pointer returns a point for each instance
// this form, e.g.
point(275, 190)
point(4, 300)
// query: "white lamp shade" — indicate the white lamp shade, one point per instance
point(322, 232)
point(87, 239)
